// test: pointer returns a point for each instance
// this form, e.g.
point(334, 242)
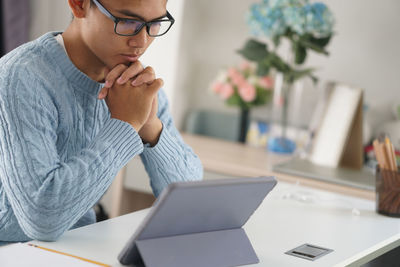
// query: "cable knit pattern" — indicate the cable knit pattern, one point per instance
point(59, 148)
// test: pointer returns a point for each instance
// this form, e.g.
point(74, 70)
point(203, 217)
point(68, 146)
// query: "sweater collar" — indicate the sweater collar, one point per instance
point(73, 74)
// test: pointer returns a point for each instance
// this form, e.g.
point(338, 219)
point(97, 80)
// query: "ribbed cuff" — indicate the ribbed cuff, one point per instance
point(164, 151)
point(123, 139)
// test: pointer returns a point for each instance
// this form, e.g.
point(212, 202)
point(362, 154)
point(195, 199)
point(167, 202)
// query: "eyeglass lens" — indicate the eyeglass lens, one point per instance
point(130, 27)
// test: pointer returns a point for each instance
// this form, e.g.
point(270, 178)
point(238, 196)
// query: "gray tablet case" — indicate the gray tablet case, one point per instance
point(199, 224)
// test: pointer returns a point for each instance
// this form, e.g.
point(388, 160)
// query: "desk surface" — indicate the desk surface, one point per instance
point(290, 216)
point(236, 159)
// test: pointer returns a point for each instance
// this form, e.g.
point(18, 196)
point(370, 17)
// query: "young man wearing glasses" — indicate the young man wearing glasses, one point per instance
point(75, 108)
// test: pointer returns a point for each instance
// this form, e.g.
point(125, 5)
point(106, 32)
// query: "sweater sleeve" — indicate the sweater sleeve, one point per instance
point(170, 160)
point(48, 194)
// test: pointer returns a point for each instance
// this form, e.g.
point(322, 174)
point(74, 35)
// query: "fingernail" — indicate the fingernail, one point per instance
point(120, 80)
point(107, 84)
point(134, 82)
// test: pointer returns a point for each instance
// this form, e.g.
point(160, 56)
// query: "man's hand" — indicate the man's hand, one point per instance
point(121, 74)
point(135, 76)
point(151, 130)
point(133, 104)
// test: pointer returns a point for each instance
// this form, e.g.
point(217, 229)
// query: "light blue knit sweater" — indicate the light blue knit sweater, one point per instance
point(59, 148)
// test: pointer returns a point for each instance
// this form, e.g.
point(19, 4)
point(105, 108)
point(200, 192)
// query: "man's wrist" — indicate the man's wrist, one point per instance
point(151, 131)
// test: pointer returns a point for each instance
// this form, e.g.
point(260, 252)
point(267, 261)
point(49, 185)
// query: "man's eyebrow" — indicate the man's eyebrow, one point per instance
point(131, 14)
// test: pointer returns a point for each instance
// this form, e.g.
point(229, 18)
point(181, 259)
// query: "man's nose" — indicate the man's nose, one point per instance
point(140, 39)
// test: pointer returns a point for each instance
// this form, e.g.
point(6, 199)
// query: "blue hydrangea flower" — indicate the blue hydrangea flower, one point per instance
point(286, 3)
point(295, 18)
point(319, 20)
point(267, 21)
point(272, 17)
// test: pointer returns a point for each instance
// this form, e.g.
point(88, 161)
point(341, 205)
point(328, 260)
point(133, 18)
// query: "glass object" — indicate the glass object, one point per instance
point(388, 192)
point(285, 106)
point(130, 27)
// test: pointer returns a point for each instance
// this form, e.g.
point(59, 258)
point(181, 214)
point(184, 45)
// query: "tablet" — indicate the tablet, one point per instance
point(198, 207)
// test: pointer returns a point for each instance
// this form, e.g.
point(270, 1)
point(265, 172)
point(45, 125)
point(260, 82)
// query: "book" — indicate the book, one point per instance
point(338, 140)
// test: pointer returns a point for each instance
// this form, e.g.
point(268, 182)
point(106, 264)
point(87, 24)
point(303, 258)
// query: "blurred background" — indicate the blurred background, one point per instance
point(363, 51)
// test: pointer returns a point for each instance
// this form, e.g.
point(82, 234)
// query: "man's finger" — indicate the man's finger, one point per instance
point(144, 78)
point(155, 85)
point(114, 74)
point(132, 71)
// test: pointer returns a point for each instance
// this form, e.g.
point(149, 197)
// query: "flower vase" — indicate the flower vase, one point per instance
point(243, 124)
point(278, 141)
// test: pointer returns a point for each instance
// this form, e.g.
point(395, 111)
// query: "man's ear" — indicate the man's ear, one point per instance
point(79, 7)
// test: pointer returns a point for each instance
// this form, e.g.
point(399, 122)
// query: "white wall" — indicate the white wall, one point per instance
point(364, 51)
point(49, 15)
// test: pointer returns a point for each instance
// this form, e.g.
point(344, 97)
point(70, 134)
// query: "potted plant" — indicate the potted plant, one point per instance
point(242, 87)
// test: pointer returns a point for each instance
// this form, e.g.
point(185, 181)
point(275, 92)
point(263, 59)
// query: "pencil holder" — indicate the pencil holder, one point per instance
point(388, 192)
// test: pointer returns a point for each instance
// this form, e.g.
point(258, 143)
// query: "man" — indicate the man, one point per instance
point(64, 134)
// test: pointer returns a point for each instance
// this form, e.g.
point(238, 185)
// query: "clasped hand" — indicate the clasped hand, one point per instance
point(130, 93)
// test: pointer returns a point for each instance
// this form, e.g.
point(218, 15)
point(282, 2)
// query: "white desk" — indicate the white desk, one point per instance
point(220, 159)
point(290, 216)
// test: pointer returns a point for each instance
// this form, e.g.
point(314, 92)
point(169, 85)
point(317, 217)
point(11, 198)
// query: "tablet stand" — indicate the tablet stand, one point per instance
point(217, 248)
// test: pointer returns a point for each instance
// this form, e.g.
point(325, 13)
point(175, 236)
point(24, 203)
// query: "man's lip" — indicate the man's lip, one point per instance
point(131, 57)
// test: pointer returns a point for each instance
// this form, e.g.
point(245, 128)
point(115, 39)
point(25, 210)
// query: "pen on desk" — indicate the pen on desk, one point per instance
point(66, 254)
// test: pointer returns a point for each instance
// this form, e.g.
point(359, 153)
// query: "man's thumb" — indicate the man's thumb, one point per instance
point(103, 93)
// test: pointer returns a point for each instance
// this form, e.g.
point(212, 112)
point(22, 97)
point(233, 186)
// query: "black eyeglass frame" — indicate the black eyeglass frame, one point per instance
point(143, 23)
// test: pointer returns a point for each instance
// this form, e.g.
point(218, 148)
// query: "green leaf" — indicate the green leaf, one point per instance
point(314, 79)
point(322, 42)
point(262, 69)
point(294, 75)
point(300, 54)
point(263, 96)
point(306, 41)
point(278, 63)
point(254, 50)
point(276, 40)
point(234, 100)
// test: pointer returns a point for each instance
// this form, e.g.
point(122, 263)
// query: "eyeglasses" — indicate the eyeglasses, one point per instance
point(130, 27)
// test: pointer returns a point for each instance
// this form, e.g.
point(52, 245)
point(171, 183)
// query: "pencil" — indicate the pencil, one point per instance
point(378, 154)
point(390, 149)
point(388, 154)
point(66, 254)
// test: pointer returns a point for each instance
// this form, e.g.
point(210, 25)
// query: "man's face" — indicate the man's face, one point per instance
point(112, 49)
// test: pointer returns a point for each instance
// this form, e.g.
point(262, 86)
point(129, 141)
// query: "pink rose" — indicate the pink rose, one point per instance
point(226, 91)
point(245, 65)
point(236, 77)
point(216, 87)
point(247, 92)
point(266, 82)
